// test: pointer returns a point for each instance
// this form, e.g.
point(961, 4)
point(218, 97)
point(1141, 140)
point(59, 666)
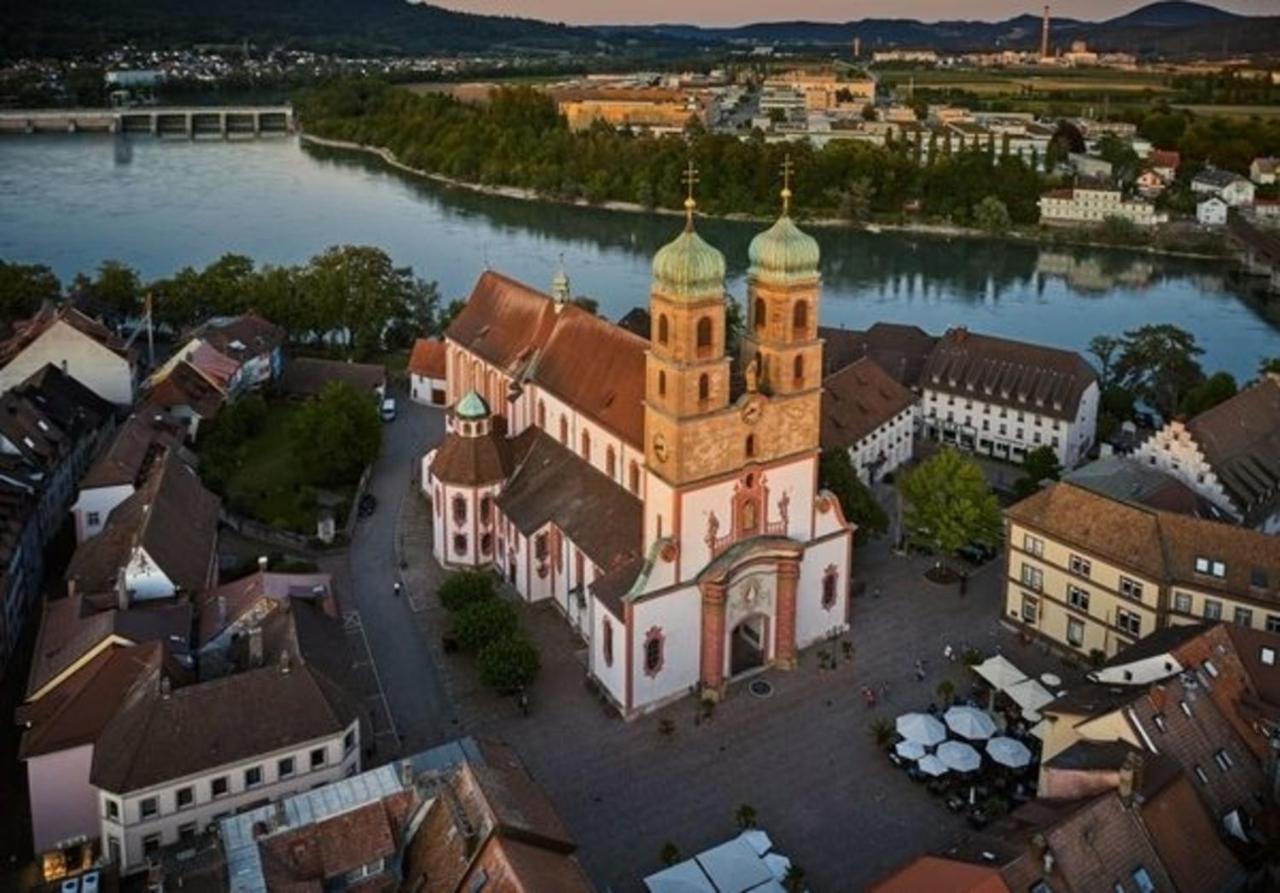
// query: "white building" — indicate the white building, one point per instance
point(1005, 398)
point(869, 414)
point(118, 471)
point(1263, 170)
point(1212, 212)
point(427, 372)
point(670, 515)
point(1232, 188)
point(1095, 204)
point(1230, 454)
point(86, 350)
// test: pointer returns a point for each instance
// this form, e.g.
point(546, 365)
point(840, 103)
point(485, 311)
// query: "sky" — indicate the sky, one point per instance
point(736, 12)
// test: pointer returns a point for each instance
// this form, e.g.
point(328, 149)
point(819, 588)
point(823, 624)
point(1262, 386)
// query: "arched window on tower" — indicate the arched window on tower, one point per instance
point(798, 369)
point(586, 445)
point(800, 320)
point(635, 477)
point(542, 415)
point(610, 462)
point(704, 388)
point(704, 337)
point(662, 383)
point(663, 332)
point(751, 446)
point(762, 315)
point(564, 431)
point(459, 510)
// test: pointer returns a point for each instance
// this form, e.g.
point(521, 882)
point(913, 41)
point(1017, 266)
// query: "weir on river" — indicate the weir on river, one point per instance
point(188, 121)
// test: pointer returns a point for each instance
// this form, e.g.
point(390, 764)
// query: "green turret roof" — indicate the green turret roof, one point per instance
point(471, 406)
point(783, 253)
point(687, 267)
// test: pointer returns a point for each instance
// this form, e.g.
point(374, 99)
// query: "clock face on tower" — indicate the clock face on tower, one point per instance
point(751, 410)
point(660, 447)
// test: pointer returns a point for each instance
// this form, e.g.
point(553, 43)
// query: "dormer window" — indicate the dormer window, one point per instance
point(1258, 578)
point(1211, 567)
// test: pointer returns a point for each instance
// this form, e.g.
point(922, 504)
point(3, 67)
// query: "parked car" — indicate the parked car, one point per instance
point(976, 553)
point(388, 410)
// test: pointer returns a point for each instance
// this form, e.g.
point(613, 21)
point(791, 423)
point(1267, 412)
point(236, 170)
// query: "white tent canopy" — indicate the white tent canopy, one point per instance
point(930, 765)
point(959, 756)
point(1030, 696)
point(1009, 752)
point(922, 728)
point(744, 864)
point(1000, 672)
point(970, 722)
point(910, 750)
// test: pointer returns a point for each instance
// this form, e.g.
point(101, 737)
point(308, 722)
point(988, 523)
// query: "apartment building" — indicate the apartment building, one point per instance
point(1095, 203)
point(871, 416)
point(1230, 454)
point(1094, 574)
point(80, 346)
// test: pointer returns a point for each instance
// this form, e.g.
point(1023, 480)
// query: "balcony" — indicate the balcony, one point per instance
point(720, 544)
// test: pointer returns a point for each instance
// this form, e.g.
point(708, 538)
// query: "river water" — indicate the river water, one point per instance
point(73, 201)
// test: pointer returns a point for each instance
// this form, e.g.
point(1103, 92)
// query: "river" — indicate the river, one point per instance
point(72, 201)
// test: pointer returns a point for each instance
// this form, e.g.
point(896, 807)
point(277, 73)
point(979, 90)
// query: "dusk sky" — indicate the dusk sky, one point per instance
point(735, 12)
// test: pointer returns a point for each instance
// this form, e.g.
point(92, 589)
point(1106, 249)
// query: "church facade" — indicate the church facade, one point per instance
point(665, 499)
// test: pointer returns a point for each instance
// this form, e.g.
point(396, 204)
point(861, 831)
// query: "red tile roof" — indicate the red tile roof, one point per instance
point(932, 874)
point(428, 358)
point(1240, 438)
point(859, 399)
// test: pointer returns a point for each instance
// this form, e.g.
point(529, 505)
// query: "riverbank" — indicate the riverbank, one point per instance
point(1038, 236)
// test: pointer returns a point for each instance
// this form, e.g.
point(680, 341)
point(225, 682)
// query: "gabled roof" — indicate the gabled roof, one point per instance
point(933, 874)
point(173, 517)
point(185, 385)
point(473, 460)
point(27, 331)
point(1212, 176)
point(1017, 374)
point(1165, 158)
point(241, 337)
point(504, 321)
point(859, 399)
point(307, 376)
point(1240, 438)
point(900, 350)
point(213, 365)
point(223, 605)
point(552, 485)
point(1129, 480)
point(138, 443)
point(428, 358)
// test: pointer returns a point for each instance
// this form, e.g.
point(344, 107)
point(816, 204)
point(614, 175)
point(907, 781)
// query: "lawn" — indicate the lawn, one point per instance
point(269, 484)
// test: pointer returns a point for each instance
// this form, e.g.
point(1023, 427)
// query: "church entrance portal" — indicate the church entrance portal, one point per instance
point(747, 645)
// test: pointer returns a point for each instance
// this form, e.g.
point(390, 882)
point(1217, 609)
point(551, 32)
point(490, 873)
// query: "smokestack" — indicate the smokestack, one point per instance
point(1044, 35)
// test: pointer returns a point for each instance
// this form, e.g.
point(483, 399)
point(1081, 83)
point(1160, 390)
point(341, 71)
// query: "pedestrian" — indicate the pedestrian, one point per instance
point(397, 588)
point(920, 673)
point(948, 653)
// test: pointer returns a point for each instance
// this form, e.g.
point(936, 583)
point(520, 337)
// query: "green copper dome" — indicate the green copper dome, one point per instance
point(688, 267)
point(471, 406)
point(783, 253)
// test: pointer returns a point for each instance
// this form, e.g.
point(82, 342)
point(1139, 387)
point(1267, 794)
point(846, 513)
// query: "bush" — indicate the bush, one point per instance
point(509, 664)
point(461, 588)
point(484, 621)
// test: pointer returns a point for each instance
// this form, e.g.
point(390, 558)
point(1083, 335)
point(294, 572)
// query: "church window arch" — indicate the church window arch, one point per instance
point(762, 315)
point(662, 383)
point(486, 509)
point(564, 431)
point(542, 414)
point(486, 544)
point(459, 509)
point(704, 388)
point(654, 651)
point(751, 446)
point(459, 544)
point(586, 445)
point(704, 336)
point(830, 587)
point(664, 333)
point(610, 462)
point(798, 369)
point(606, 634)
point(635, 477)
point(800, 320)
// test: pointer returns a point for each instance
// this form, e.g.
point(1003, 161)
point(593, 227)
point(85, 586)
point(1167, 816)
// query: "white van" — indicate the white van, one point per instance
point(388, 410)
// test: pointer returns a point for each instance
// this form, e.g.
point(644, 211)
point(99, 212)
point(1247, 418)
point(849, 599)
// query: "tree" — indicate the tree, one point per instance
point(745, 816)
point(1269, 366)
point(796, 879)
point(485, 621)
point(1209, 393)
point(1041, 464)
point(509, 664)
point(358, 293)
point(1105, 348)
point(836, 472)
point(992, 215)
point(669, 854)
point(1158, 364)
point(116, 286)
point(948, 504)
point(1120, 155)
point(462, 588)
point(336, 435)
point(946, 692)
point(449, 314)
point(23, 288)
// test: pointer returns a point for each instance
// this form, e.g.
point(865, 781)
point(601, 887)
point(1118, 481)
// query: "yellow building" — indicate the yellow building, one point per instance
point(1095, 574)
point(650, 109)
point(826, 91)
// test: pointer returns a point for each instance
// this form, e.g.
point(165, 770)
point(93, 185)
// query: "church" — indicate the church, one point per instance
point(664, 496)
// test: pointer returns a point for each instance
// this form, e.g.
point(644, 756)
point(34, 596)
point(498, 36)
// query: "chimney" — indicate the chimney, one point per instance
point(1130, 778)
point(1044, 35)
point(255, 646)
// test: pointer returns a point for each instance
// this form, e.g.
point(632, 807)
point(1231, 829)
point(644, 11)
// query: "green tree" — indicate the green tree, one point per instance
point(509, 664)
point(1158, 365)
point(483, 621)
point(745, 816)
point(463, 588)
point(1041, 464)
point(358, 293)
point(115, 285)
point(23, 288)
point(948, 504)
point(1106, 348)
point(837, 474)
point(449, 314)
point(1270, 366)
point(991, 215)
point(1209, 393)
point(1124, 161)
point(336, 435)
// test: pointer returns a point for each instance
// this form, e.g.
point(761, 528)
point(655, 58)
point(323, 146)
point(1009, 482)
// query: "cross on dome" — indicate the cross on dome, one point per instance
point(690, 179)
point(787, 170)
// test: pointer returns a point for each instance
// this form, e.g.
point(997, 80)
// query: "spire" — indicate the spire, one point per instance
point(787, 169)
point(560, 284)
point(690, 178)
point(782, 253)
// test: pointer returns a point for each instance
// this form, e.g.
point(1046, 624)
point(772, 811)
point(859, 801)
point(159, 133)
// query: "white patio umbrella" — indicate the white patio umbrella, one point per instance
point(922, 728)
point(910, 750)
point(1000, 672)
point(970, 722)
point(930, 765)
point(959, 756)
point(1009, 752)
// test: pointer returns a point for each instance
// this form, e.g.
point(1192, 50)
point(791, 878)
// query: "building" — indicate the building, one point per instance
point(665, 505)
point(427, 372)
point(1094, 574)
point(1165, 163)
point(120, 470)
point(1095, 203)
point(1230, 454)
point(870, 415)
point(158, 542)
point(1262, 171)
point(919, 56)
point(80, 346)
point(306, 377)
point(185, 396)
point(652, 109)
point(1090, 166)
point(1212, 212)
point(824, 90)
point(235, 354)
point(928, 873)
point(1005, 398)
point(1232, 188)
point(1151, 184)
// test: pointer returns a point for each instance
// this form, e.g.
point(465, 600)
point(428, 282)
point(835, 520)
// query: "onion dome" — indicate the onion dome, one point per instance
point(472, 407)
point(783, 253)
point(688, 267)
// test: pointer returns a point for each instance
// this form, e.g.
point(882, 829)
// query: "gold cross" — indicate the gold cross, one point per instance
point(787, 169)
point(690, 178)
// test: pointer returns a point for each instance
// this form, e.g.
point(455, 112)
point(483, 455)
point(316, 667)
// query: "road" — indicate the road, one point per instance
point(410, 679)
